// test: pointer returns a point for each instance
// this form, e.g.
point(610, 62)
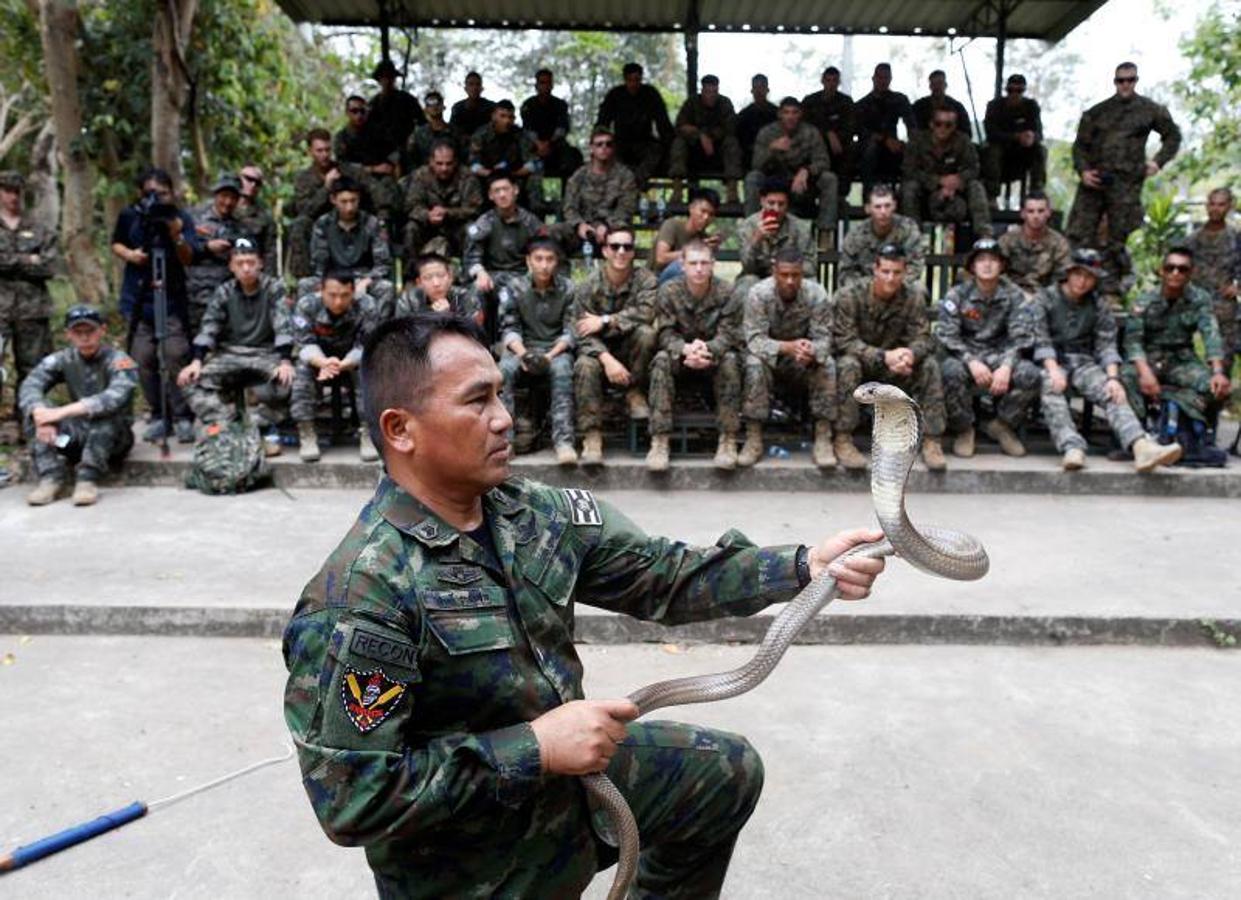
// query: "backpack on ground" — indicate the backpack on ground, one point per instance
point(228, 459)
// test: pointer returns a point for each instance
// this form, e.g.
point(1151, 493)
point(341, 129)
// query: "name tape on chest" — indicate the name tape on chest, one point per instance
point(582, 507)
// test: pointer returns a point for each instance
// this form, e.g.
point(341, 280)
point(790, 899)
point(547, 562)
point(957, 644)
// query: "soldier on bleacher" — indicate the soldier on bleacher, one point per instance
point(883, 225)
point(705, 140)
point(495, 245)
point(754, 117)
point(636, 115)
point(1037, 253)
point(879, 150)
point(767, 232)
point(441, 199)
point(599, 196)
point(1014, 147)
point(792, 150)
point(545, 119)
point(940, 176)
point(500, 146)
point(348, 238)
point(1217, 266)
point(832, 112)
point(924, 108)
point(375, 159)
point(677, 231)
point(311, 198)
point(473, 112)
point(431, 289)
point(433, 130)
point(787, 326)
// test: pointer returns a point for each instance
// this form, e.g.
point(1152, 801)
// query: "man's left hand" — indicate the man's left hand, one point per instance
point(46, 434)
point(46, 415)
point(854, 576)
point(1000, 380)
point(284, 373)
point(1220, 386)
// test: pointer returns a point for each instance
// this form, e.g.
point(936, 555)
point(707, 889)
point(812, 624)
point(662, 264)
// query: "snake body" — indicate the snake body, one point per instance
point(896, 440)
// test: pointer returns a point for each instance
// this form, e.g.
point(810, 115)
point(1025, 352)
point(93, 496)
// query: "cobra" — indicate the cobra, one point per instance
point(896, 439)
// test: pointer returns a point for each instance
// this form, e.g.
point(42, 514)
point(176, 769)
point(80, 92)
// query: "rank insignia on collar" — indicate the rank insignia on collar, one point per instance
point(369, 697)
point(582, 507)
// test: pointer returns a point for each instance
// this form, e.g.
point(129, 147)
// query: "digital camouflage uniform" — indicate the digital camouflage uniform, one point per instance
point(461, 302)
point(25, 304)
point(758, 256)
point(864, 328)
point(629, 336)
point(461, 198)
point(807, 151)
point(997, 330)
point(610, 198)
point(768, 319)
point(641, 126)
point(106, 384)
point(718, 122)
point(246, 337)
point(1111, 138)
point(310, 201)
point(363, 250)
point(209, 270)
point(318, 334)
point(509, 152)
point(861, 248)
point(1216, 262)
point(417, 660)
point(540, 319)
point(1162, 332)
point(257, 221)
point(1081, 337)
point(1034, 265)
point(498, 247)
point(1003, 157)
point(682, 318)
point(925, 161)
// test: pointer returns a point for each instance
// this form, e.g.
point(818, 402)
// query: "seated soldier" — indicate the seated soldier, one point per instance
point(882, 333)
point(1163, 366)
point(424, 138)
point(765, 233)
point(500, 146)
point(705, 140)
point(432, 290)
point(787, 325)
point(699, 337)
point(1037, 253)
point(372, 158)
point(473, 112)
point(495, 246)
point(614, 312)
point(347, 238)
point(329, 328)
point(311, 198)
point(984, 331)
point(599, 196)
point(1075, 340)
point(793, 151)
point(833, 113)
point(545, 119)
point(636, 114)
point(752, 119)
point(678, 231)
point(94, 430)
point(1014, 147)
point(536, 334)
point(247, 332)
point(441, 199)
point(217, 227)
point(879, 151)
point(940, 176)
point(883, 225)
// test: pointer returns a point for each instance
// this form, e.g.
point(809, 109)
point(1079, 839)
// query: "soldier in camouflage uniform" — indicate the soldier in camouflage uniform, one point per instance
point(248, 333)
point(374, 160)
point(882, 332)
point(1217, 262)
point(1110, 156)
point(495, 247)
point(95, 426)
point(347, 238)
point(537, 338)
point(435, 693)
point(599, 196)
point(1075, 341)
point(787, 326)
point(765, 233)
point(940, 176)
point(792, 150)
point(699, 338)
point(1014, 147)
point(1159, 345)
point(310, 199)
point(1037, 254)
point(28, 256)
point(882, 226)
point(984, 332)
point(500, 146)
point(217, 228)
point(255, 218)
point(614, 315)
point(706, 137)
point(431, 132)
point(329, 328)
point(432, 290)
point(441, 199)
point(545, 120)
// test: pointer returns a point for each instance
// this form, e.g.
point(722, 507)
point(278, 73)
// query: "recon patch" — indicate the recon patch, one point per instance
point(582, 507)
point(383, 649)
point(369, 697)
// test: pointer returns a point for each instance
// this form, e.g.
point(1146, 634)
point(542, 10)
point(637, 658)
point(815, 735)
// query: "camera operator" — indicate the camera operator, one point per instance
point(154, 221)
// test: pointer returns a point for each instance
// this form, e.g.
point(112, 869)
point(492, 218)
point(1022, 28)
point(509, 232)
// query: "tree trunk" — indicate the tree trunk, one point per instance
point(170, 82)
point(58, 27)
point(41, 181)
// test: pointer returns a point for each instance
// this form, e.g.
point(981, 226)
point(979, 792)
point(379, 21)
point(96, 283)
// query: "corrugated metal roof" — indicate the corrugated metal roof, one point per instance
point(1046, 19)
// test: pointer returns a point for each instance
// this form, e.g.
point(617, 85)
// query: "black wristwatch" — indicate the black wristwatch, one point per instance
point(802, 564)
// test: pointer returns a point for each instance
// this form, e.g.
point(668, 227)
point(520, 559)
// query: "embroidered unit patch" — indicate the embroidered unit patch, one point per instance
point(582, 507)
point(369, 697)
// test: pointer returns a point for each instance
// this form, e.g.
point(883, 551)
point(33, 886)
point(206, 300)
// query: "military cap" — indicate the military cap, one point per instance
point(227, 182)
point(12, 180)
point(385, 67)
point(245, 245)
point(890, 251)
point(986, 245)
point(1088, 259)
point(82, 313)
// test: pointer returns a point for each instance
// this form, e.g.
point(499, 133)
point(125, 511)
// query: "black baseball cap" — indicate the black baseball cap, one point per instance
point(83, 313)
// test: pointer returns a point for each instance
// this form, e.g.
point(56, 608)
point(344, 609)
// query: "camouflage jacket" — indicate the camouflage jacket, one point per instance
point(806, 150)
point(757, 252)
point(495, 245)
point(317, 333)
point(23, 282)
point(210, 269)
point(1064, 328)
point(611, 198)
point(630, 305)
point(418, 147)
point(310, 196)
point(865, 327)
point(1159, 329)
point(925, 161)
point(1034, 265)
point(768, 319)
point(1216, 258)
point(861, 247)
point(257, 221)
point(539, 319)
point(104, 383)
point(261, 319)
point(1112, 137)
point(509, 152)
point(716, 122)
point(461, 301)
point(363, 249)
point(461, 197)
point(971, 326)
point(714, 318)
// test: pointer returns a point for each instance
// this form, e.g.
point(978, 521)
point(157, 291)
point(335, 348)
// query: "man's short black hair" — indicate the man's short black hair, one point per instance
point(469, 75)
point(708, 194)
point(631, 68)
point(436, 94)
point(940, 72)
point(156, 174)
point(344, 276)
point(357, 97)
point(506, 104)
point(345, 183)
point(880, 190)
point(891, 252)
point(790, 101)
point(758, 76)
point(830, 70)
point(884, 67)
point(500, 176)
point(1180, 250)
point(711, 79)
point(788, 256)
point(443, 144)
point(541, 72)
point(396, 363)
point(1036, 195)
point(430, 259)
point(774, 184)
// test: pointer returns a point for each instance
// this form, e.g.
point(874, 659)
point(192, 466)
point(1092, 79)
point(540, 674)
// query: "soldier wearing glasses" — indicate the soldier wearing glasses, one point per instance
point(1014, 147)
point(600, 196)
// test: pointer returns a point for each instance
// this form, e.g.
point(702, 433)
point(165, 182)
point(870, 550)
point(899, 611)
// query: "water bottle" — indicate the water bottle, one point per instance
point(1172, 424)
point(661, 207)
point(775, 451)
point(644, 209)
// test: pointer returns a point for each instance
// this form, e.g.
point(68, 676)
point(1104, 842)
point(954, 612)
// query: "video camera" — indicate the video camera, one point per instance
point(154, 212)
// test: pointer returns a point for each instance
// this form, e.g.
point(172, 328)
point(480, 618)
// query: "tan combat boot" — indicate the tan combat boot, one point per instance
point(1003, 435)
point(566, 455)
point(308, 442)
point(752, 449)
point(366, 447)
point(963, 444)
point(47, 491)
point(822, 453)
point(1148, 454)
point(933, 454)
point(726, 452)
point(1074, 458)
point(592, 448)
point(847, 452)
point(85, 493)
point(657, 456)
point(635, 400)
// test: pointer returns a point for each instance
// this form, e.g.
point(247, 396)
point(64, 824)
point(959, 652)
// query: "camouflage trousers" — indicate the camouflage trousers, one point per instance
point(560, 372)
point(1002, 163)
point(422, 237)
point(634, 350)
point(789, 380)
point(30, 340)
point(1087, 379)
point(95, 445)
point(298, 238)
point(968, 205)
point(724, 378)
point(1226, 315)
point(686, 155)
point(1183, 378)
point(304, 398)
point(825, 189)
point(1121, 203)
point(235, 369)
point(924, 385)
point(960, 391)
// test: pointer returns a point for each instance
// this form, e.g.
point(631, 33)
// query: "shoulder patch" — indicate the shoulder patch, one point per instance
point(382, 648)
point(949, 306)
point(369, 697)
point(124, 362)
point(582, 507)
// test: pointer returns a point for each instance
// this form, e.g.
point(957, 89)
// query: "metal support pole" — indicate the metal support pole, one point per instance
point(691, 48)
point(385, 43)
point(1001, 38)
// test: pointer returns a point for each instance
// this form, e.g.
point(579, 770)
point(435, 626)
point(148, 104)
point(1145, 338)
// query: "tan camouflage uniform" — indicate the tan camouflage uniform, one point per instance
point(807, 150)
point(1034, 265)
point(861, 248)
point(924, 162)
point(769, 319)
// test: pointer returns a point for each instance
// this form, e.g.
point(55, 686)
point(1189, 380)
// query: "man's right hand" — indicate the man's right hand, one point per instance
point(981, 372)
point(581, 736)
point(1148, 382)
point(1056, 376)
point(1092, 179)
point(190, 373)
point(46, 434)
point(483, 281)
point(615, 371)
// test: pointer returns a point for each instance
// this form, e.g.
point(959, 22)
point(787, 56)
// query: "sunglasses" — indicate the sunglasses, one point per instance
point(1127, 80)
point(1177, 267)
point(601, 143)
point(620, 246)
point(251, 179)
